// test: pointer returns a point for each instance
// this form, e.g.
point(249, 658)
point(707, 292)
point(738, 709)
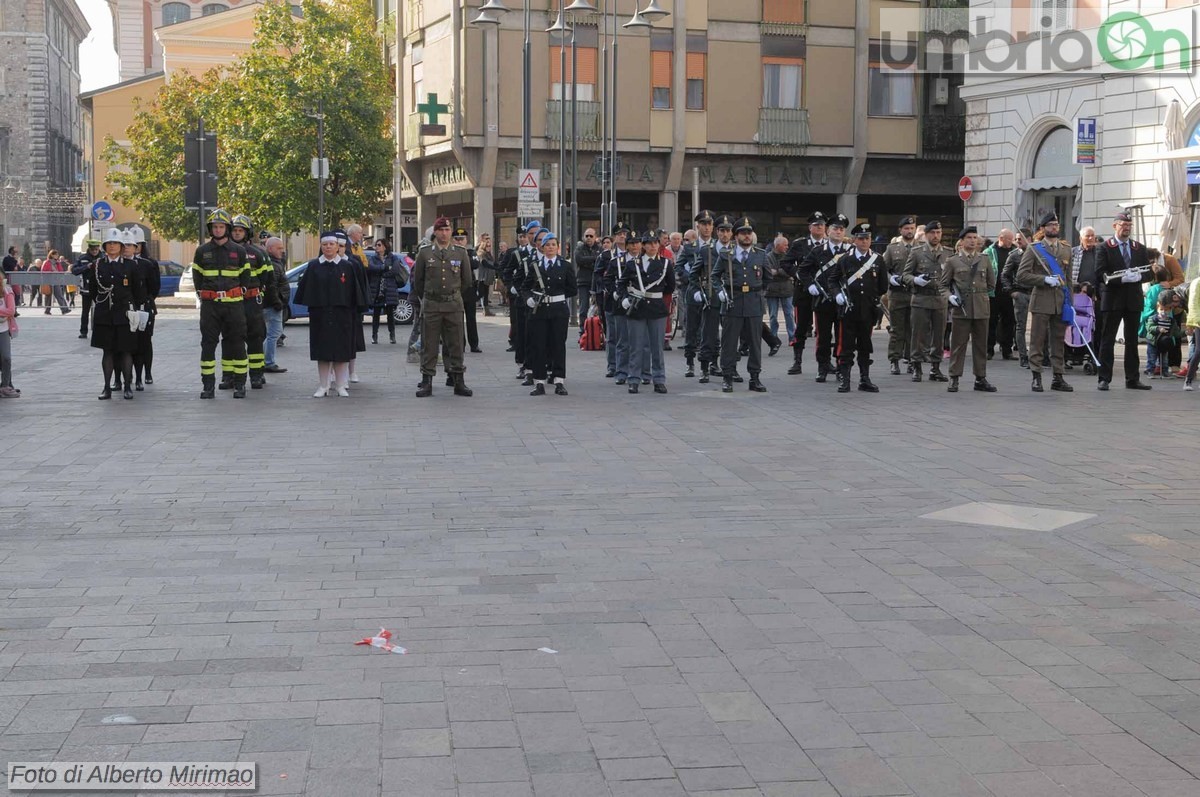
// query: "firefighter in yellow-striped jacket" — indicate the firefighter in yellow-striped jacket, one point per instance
point(222, 277)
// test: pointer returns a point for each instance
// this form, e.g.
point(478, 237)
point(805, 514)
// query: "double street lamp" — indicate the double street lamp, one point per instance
point(491, 13)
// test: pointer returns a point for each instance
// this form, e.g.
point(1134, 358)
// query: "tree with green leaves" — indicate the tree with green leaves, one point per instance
point(261, 109)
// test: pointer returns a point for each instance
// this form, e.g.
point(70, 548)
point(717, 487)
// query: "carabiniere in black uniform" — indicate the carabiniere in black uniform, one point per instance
point(856, 282)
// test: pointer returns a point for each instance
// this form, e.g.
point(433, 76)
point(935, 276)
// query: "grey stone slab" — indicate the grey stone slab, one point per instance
point(858, 772)
point(490, 766)
point(484, 734)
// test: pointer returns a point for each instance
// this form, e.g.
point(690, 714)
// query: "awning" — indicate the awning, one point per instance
point(1049, 183)
point(1184, 154)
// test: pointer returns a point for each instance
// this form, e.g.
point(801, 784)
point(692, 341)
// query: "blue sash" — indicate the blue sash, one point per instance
point(1068, 310)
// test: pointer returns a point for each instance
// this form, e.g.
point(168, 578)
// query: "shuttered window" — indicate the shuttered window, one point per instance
point(783, 11)
point(660, 79)
point(586, 83)
point(697, 67)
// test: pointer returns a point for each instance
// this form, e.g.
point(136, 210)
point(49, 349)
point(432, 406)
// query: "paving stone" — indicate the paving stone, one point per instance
point(489, 766)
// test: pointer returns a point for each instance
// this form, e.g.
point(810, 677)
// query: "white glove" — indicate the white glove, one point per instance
point(921, 280)
point(513, 291)
point(698, 297)
point(1052, 281)
point(954, 301)
point(723, 296)
point(627, 303)
point(531, 302)
point(1132, 276)
point(840, 298)
point(894, 281)
point(813, 290)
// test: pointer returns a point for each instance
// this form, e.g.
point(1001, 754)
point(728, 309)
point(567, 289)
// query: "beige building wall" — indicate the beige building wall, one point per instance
point(829, 95)
point(112, 111)
point(737, 67)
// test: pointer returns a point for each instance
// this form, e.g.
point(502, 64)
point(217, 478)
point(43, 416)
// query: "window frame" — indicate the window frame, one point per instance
point(657, 57)
point(175, 5)
point(800, 64)
point(876, 69)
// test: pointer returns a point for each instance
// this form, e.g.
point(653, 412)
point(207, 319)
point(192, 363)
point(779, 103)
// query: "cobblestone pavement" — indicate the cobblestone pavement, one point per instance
point(745, 593)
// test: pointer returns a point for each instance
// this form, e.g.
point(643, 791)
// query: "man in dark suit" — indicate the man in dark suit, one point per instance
point(1121, 300)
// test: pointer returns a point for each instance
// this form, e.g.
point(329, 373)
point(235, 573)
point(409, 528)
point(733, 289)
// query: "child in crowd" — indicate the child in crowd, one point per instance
point(1164, 331)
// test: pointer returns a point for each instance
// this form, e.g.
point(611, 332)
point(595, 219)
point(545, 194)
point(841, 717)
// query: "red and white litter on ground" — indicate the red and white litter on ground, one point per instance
point(382, 641)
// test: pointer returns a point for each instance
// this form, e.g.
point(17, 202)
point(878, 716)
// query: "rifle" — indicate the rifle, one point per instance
point(1116, 275)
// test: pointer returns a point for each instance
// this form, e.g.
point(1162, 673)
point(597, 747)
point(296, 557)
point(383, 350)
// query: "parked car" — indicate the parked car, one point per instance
point(405, 311)
point(186, 287)
point(171, 275)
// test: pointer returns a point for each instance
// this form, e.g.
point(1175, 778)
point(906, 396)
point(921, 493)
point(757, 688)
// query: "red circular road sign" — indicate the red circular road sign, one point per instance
point(965, 189)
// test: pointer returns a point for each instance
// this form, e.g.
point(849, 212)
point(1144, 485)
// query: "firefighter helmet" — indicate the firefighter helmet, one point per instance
point(219, 216)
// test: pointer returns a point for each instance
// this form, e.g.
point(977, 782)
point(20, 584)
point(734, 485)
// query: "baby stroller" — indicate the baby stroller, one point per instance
point(1079, 337)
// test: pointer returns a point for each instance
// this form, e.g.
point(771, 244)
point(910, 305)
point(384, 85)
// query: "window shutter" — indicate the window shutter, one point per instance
point(695, 66)
point(587, 65)
point(660, 70)
point(556, 65)
point(783, 11)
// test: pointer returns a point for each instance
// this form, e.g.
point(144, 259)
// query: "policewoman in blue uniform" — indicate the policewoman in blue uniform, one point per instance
point(644, 285)
point(545, 291)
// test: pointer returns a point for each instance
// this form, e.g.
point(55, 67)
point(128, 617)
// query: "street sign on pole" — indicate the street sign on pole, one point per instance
point(102, 211)
point(529, 186)
point(965, 189)
point(318, 168)
point(531, 210)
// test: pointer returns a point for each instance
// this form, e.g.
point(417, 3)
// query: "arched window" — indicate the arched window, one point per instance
point(173, 13)
point(1056, 155)
point(213, 8)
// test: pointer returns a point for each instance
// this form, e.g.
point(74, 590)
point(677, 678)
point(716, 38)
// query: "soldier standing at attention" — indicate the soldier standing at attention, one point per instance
point(856, 283)
point(928, 316)
point(969, 278)
point(802, 302)
point(441, 274)
point(738, 278)
point(221, 276)
point(811, 274)
point(692, 270)
point(604, 284)
point(899, 300)
point(644, 289)
point(1046, 270)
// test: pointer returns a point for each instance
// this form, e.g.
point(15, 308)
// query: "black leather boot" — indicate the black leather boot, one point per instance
point(984, 386)
point(916, 372)
point(864, 380)
point(1036, 386)
point(691, 367)
point(425, 389)
point(797, 358)
point(756, 385)
point(1061, 385)
point(703, 372)
point(953, 387)
point(936, 375)
point(460, 386)
point(822, 372)
point(226, 382)
point(895, 368)
point(239, 387)
point(727, 387)
point(843, 378)
point(207, 385)
point(539, 389)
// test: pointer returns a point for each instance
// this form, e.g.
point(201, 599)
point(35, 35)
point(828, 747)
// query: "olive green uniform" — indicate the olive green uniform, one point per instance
point(928, 302)
point(971, 278)
point(1046, 304)
point(899, 302)
point(440, 277)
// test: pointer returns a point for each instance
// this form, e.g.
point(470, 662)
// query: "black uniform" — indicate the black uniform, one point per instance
point(802, 301)
point(1120, 304)
point(259, 282)
point(470, 297)
point(116, 288)
point(222, 276)
point(550, 287)
point(513, 271)
point(702, 330)
point(80, 269)
point(811, 271)
point(862, 293)
point(610, 269)
point(143, 358)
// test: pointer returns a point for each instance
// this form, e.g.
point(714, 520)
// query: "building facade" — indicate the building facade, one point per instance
point(773, 108)
point(1021, 132)
point(139, 50)
point(42, 171)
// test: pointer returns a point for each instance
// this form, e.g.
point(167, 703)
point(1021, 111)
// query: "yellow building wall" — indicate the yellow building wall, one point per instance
point(112, 111)
point(830, 13)
point(829, 95)
point(892, 136)
point(730, 117)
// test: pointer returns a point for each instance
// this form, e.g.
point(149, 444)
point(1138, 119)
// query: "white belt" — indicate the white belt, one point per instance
point(557, 297)
point(646, 294)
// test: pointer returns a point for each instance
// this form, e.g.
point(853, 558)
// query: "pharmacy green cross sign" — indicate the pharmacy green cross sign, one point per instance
point(432, 109)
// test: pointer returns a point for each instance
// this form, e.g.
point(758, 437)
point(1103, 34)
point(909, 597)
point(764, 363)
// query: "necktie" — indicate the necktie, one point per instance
point(1125, 252)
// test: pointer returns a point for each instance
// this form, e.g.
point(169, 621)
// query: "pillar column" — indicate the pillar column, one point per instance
point(847, 205)
point(485, 215)
point(426, 213)
point(668, 210)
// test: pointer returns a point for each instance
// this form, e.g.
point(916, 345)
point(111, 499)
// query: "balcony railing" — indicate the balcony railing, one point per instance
point(783, 127)
point(589, 119)
point(944, 135)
